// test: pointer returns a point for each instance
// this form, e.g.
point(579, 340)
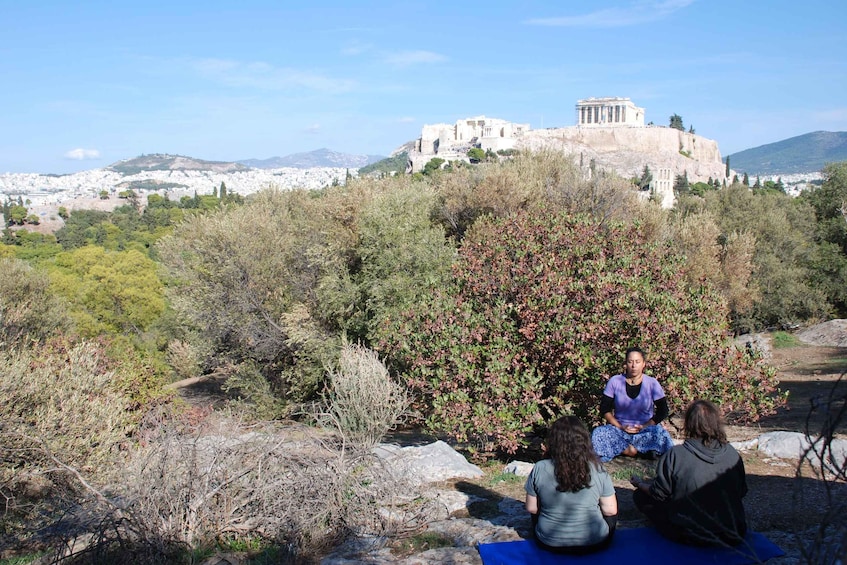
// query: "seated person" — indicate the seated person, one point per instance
point(570, 496)
point(696, 495)
point(633, 404)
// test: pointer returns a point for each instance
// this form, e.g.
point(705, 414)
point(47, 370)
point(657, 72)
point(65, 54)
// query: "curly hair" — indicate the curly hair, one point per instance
point(703, 421)
point(569, 447)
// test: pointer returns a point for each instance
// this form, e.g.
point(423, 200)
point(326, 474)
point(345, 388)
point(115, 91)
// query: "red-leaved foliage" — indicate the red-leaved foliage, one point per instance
point(537, 315)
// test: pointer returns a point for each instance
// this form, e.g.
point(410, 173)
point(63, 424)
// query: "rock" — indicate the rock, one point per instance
point(756, 343)
point(519, 468)
point(748, 445)
point(830, 334)
point(427, 464)
point(794, 445)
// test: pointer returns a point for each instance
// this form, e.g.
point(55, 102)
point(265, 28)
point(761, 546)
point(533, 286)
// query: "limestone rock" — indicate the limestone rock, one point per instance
point(519, 468)
point(428, 463)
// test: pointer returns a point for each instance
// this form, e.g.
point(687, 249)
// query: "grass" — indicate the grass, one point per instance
point(421, 542)
point(21, 559)
point(783, 340)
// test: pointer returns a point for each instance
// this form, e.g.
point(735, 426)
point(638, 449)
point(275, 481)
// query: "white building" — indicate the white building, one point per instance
point(610, 111)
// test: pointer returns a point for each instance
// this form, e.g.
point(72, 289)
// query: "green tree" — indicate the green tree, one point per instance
point(17, 215)
point(476, 155)
point(746, 180)
point(646, 179)
point(63, 213)
point(223, 191)
point(111, 292)
point(726, 171)
point(676, 122)
point(681, 184)
point(433, 165)
point(246, 277)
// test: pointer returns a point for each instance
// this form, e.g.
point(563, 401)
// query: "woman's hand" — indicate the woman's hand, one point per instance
point(633, 428)
point(639, 483)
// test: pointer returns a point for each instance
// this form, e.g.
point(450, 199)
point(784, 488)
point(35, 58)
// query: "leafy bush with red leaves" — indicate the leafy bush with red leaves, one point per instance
point(536, 317)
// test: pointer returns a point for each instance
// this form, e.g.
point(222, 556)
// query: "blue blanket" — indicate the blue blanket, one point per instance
point(633, 547)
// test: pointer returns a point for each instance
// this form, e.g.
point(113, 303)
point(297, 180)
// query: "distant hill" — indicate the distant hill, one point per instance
point(396, 164)
point(317, 158)
point(165, 162)
point(802, 154)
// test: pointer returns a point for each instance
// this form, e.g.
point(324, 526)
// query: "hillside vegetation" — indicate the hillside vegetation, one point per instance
point(494, 297)
point(801, 154)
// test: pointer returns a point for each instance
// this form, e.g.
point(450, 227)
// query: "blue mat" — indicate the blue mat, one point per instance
point(635, 546)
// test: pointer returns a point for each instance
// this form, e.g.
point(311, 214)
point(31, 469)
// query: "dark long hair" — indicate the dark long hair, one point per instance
point(569, 446)
point(703, 421)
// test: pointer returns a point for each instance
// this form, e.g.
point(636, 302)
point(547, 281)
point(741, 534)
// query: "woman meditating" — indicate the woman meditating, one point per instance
point(696, 495)
point(633, 405)
point(570, 496)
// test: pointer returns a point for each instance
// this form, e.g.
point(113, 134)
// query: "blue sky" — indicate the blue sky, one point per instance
point(84, 84)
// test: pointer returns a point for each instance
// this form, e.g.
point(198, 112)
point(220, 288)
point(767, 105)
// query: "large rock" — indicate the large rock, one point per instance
point(427, 464)
point(794, 445)
point(831, 334)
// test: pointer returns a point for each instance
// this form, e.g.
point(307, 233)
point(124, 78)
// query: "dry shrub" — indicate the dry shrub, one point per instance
point(61, 399)
point(363, 402)
point(184, 359)
point(289, 488)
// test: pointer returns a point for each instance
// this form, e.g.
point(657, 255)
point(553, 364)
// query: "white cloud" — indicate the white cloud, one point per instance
point(640, 12)
point(261, 75)
point(406, 120)
point(312, 129)
point(81, 154)
point(406, 58)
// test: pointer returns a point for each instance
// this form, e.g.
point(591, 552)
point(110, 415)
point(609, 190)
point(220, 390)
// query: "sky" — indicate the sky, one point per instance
point(85, 84)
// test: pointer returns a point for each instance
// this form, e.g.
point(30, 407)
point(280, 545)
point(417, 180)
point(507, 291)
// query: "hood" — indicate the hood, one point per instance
point(708, 453)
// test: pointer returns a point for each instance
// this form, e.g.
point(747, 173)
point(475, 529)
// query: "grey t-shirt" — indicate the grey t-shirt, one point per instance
point(569, 518)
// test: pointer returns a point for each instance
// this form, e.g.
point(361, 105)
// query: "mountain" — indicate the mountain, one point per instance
point(802, 154)
point(165, 162)
point(317, 158)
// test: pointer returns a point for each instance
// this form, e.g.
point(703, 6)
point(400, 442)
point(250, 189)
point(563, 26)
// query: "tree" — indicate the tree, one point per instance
point(17, 215)
point(222, 192)
point(746, 180)
point(475, 154)
point(726, 171)
point(758, 183)
point(109, 292)
point(63, 213)
point(433, 165)
point(691, 129)
point(646, 178)
point(104, 194)
point(681, 184)
point(676, 122)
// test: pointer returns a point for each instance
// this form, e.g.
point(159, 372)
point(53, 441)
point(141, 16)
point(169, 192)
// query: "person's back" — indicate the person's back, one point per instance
point(704, 486)
point(569, 518)
point(696, 497)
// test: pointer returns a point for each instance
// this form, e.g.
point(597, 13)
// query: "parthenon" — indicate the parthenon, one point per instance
point(609, 111)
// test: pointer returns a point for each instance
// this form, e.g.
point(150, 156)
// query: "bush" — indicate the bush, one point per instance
point(537, 315)
point(363, 402)
point(28, 310)
point(192, 490)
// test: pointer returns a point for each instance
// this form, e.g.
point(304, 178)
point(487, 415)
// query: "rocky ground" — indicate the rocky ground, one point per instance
point(788, 508)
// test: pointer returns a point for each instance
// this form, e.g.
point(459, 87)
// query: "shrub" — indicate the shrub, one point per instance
point(537, 315)
point(28, 310)
point(363, 403)
point(219, 485)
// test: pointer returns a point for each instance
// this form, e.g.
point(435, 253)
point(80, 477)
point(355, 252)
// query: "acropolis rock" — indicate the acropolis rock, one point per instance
point(611, 135)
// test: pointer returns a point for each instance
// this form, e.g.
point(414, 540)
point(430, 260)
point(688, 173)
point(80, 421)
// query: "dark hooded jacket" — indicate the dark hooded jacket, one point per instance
point(700, 487)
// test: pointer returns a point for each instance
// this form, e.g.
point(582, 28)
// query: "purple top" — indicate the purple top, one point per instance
point(634, 411)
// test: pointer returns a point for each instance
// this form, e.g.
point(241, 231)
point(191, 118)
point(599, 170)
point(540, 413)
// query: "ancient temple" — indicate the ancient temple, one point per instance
point(611, 111)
